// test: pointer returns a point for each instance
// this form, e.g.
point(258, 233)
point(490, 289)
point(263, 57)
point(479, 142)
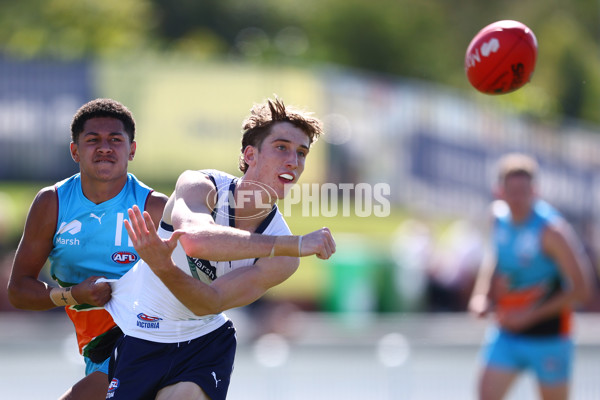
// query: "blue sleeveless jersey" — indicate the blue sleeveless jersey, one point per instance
point(533, 277)
point(519, 247)
point(91, 239)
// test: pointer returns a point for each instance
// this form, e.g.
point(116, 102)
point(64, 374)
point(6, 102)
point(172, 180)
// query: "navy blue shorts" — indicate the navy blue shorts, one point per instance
point(141, 367)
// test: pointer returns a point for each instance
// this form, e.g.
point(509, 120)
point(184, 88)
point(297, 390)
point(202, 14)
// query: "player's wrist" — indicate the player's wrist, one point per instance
point(290, 246)
point(63, 297)
point(162, 268)
point(272, 254)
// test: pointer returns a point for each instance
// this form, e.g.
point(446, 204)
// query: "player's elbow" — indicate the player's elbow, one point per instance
point(15, 296)
point(580, 294)
point(294, 265)
point(284, 271)
point(208, 301)
point(210, 307)
point(207, 310)
point(585, 294)
point(195, 245)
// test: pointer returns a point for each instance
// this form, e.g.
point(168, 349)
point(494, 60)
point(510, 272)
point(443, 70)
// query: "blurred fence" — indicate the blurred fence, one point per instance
point(37, 101)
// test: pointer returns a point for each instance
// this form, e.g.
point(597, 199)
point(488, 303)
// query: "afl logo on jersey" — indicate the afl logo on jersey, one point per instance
point(124, 257)
point(114, 385)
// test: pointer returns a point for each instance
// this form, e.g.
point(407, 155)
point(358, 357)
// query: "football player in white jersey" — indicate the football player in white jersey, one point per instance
point(77, 224)
point(221, 244)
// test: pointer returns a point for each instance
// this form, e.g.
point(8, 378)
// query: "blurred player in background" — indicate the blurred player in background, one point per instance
point(77, 225)
point(178, 343)
point(532, 276)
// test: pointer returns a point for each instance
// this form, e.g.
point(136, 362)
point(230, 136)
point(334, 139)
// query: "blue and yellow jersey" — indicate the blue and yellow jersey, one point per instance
point(91, 239)
point(531, 275)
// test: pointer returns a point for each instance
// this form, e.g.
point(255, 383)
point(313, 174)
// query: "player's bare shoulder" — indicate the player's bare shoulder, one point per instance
point(43, 212)
point(194, 181)
point(558, 235)
point(46, 201)
point(155, 205)
point(196, 187)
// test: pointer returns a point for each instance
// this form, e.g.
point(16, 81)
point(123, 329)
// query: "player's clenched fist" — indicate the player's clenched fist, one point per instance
point(319, 243)
point(90, 292)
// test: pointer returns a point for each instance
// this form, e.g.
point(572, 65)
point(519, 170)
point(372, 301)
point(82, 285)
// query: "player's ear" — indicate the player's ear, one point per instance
point(132, 150)
point(74, 152)
point(250, 155)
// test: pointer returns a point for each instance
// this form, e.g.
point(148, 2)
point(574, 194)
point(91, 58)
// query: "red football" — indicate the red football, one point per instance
point(501, 57)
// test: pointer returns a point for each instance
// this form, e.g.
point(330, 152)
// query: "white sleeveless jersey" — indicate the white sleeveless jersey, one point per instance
point(144, 307)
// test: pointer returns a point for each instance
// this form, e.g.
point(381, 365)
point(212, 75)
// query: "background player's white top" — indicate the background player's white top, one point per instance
point(144, 307)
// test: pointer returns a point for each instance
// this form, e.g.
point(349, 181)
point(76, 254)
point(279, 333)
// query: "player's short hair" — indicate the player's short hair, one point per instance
point(517, 164)
point(257, 126)
point(102, 108)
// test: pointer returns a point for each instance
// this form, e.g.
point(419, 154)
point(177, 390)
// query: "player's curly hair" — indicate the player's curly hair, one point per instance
point(257, 126)
point(101, 108)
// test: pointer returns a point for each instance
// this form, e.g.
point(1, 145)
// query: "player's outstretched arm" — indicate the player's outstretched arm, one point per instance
point(235, 289)
point(189, 210)
point(157, 252)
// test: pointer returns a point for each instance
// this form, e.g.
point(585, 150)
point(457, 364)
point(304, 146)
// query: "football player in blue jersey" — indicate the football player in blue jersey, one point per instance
point(77, 225)
point(222, 243)
point(533, 275)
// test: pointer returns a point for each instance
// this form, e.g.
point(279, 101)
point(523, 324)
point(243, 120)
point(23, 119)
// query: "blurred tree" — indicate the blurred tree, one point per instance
point(568, 65)
point(66, 29)
point(405, 38)
point(424, 39)
point(267, 31)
